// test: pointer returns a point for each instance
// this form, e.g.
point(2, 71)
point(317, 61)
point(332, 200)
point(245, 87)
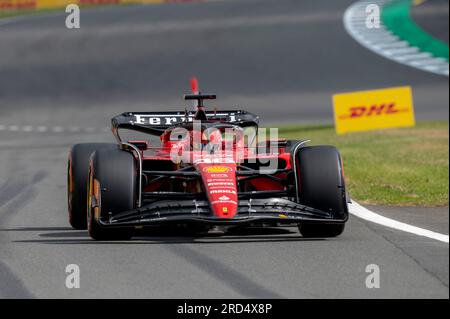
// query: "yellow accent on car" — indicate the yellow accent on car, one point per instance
point(217, 169)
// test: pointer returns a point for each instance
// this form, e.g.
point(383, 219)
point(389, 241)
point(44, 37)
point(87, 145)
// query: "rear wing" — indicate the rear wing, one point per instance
point(156, 123)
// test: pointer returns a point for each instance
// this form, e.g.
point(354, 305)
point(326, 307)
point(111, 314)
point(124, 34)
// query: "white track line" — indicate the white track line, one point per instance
point(386, 44)
point(363, 213)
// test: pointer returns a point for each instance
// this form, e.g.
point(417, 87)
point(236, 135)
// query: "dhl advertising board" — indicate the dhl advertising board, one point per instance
point(373, 110)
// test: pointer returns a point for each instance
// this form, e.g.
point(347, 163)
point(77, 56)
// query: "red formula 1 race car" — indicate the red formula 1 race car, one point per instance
point(211, 169)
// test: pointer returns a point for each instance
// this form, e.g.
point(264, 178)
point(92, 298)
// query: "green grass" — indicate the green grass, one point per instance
point(407, 167)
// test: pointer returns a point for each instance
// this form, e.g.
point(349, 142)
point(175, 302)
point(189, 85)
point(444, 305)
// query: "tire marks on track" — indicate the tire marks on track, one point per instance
point(16, 193)
point(231, 278)
point(14, 286)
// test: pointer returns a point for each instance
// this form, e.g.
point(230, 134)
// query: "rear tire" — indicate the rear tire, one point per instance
point(111, 189)
point(321, 185)
point(78, 166)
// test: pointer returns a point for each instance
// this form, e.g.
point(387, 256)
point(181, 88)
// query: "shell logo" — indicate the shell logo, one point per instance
point(217, 169)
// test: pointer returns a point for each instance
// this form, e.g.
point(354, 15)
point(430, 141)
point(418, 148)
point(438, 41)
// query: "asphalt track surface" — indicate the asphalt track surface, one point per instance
point(280, 59)
point(432, 16)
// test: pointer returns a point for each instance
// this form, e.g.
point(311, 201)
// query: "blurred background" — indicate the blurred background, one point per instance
point(280, 59)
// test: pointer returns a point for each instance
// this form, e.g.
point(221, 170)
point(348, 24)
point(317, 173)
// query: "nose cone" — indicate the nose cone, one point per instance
point(219, 181)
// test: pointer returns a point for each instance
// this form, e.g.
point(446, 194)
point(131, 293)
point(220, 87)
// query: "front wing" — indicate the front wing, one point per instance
point(276, 210)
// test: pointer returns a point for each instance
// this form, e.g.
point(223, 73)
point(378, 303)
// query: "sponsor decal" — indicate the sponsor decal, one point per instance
point(217, 169)
point(220, 176)
point(224, 198)
point(221, 184)
point(222, 188)
point(227, 179)
point(372, 110)
point(144, 119)
point(171, 119)
point(222, 191)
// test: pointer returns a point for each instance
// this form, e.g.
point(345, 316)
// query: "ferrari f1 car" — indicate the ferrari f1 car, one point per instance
point(211, 169)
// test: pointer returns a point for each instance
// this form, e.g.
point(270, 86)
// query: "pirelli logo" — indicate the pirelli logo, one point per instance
point(373, 110)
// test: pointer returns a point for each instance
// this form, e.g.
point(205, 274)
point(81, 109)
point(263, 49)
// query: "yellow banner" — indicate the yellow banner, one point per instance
point(49, 4)
point(373, 110)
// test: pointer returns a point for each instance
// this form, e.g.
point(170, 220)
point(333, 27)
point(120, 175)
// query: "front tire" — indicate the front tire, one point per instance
point(77, 173)
point(112, 187)
point(321, 185)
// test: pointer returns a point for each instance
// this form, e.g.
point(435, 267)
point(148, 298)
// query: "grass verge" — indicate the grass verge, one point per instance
point(407, 167)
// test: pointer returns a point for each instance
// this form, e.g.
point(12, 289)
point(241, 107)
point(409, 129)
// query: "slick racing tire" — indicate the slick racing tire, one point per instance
point(321, 185)
point(78, 166)
point(112, 189)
